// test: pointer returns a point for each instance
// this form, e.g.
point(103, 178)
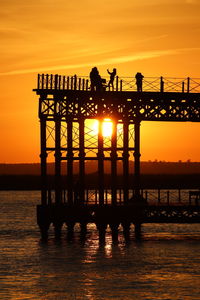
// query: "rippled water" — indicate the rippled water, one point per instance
point(164, 265)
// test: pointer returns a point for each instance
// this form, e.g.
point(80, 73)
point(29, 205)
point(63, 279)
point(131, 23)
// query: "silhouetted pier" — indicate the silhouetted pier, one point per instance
point(66, 108)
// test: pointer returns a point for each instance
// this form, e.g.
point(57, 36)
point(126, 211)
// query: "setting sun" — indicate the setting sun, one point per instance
point(107, 127)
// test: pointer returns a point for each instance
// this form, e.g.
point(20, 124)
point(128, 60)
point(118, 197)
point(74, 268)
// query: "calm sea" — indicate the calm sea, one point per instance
point(164, 265)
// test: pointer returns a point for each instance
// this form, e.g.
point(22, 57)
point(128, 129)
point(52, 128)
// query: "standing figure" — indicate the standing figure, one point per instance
point(139, 77)
point(112, 77)
point(95, 79)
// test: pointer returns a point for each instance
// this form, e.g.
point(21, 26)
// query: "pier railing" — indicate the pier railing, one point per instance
point(160, 197)
point(150, 84)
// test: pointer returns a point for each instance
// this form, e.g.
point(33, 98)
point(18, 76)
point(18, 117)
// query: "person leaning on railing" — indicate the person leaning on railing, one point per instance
point(139, 78)
point(95, 79)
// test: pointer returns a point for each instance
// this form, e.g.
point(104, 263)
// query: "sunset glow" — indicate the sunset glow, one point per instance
point(157, 38)
point(106, 127)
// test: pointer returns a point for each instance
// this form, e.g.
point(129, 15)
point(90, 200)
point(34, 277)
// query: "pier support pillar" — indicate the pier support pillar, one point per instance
point(83, 232)
point(43, 220)
point(83, 228)
point(70, 230)
point(126, 230)
point(138, 231)
point(58, 191)
point(114, 228)
point(69, 162)
point(125, 160)
point(57, 229)
point(114, 163)
point(137, 159)
point(81, 162)
point(43, 160)
point(44, 227)
point(102, 232)
point(100, 156)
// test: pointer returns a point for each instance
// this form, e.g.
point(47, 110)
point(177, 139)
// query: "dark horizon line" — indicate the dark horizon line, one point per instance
point(142, 161)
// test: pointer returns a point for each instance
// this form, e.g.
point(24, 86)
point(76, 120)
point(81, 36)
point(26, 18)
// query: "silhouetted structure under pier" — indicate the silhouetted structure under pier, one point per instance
point(67, 112)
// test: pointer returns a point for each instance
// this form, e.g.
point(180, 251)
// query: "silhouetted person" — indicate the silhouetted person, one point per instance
point(112, 77)
point(139, 78)
point(95, 79)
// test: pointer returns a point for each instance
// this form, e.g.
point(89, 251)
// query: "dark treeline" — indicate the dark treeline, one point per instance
point(148, 181)
point(150, 167)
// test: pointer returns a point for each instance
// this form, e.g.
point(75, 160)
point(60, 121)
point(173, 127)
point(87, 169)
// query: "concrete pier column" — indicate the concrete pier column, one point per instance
point(102, 232)
point(114, 228)
point(57, 229)
point(138, 227)
point(126, 230)
point(83, 226)
point(83, 232)
point(43, 220)
point(44, 228)
point(70, 230)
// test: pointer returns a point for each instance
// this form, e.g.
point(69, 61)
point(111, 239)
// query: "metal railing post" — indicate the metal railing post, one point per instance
point(188, 84)
point(117, 82)
point(161, 84)
point(56, 82)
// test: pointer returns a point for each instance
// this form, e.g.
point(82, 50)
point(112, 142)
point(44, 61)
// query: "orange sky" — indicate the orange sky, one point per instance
point(155, 37)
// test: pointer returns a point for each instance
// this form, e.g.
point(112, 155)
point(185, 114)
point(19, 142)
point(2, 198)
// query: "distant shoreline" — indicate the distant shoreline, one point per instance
point(147, 167)
point(148, 181)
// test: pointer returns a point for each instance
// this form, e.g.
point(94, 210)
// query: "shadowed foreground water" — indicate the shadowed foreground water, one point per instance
point(164, 265)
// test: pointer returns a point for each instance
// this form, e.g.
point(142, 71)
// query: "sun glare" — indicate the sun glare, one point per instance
point(107, 127)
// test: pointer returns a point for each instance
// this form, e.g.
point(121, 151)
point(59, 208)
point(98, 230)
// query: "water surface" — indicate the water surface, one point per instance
point(164, 265)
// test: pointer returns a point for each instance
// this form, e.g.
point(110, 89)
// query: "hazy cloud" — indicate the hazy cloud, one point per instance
point(100, 62)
